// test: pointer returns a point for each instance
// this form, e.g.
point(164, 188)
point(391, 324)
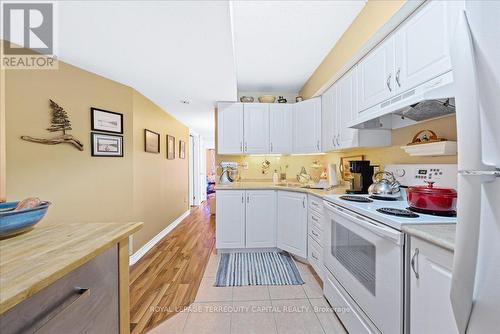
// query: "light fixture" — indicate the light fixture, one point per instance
point(184, 101)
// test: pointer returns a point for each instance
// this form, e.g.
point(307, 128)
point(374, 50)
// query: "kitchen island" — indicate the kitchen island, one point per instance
point(53, 275)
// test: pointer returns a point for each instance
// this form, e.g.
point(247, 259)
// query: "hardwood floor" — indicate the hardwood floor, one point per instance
point(167, 278)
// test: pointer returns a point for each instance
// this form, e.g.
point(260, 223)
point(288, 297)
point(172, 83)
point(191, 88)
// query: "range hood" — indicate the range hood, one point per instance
point(433, 99)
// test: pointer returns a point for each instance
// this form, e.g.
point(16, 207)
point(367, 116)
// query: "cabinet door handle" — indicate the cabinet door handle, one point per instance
point(241, 146)
point(315, 234)
point(388, 82)
point(271, 147)
point(315, 219)
point(337, 137)
point(317, 145)
point(246, 146)
point(304, 202)
point(397, 77)
point(314, 256)
point(413, 258)
point(67, 305)
point(333, 141)
point(242, 199)
point(248, 199)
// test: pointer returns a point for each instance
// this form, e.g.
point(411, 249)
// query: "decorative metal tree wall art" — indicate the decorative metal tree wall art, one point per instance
point(60, 122)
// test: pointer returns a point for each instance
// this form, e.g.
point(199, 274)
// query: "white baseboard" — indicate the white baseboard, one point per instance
point(144, 249)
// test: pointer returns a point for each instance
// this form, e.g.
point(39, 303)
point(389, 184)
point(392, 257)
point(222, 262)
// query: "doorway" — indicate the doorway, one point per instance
point(192, 181)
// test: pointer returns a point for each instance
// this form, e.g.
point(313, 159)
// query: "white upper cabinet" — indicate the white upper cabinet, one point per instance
point(260, 218)
point(329, 114)
point(256, 128)
point(375, 75)
point(307, 126)
point(422, 46)
point(347, 107)
point(230, 128)
point(280, 128)
point(292, 222)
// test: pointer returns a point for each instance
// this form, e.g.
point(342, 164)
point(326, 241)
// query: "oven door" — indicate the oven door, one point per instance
point(366, 258)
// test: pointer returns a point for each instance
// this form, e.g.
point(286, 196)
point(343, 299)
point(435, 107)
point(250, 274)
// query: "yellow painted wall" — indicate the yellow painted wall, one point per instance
point(160, 185)
point(371, 18)
point(83, 188)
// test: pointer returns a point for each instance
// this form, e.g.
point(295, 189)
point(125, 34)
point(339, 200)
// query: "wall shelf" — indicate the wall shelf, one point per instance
point(440, 148)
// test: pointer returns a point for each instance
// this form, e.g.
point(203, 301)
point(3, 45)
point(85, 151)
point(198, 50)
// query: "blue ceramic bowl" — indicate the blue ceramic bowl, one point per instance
point(15, 222)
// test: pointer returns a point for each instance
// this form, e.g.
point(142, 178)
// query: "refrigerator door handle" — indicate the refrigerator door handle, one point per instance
point(495, 173)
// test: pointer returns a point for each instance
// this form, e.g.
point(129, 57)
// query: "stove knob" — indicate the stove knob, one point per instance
point(399, 172)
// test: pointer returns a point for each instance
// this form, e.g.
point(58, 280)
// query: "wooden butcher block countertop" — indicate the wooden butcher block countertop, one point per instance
point(32, 261)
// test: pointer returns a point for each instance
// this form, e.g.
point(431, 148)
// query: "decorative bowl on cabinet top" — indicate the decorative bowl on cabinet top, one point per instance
point(246, 99)
point(13, 222)
point(267, 99)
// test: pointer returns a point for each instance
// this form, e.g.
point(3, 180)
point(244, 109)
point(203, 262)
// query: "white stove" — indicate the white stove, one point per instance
point(444, 175)
point(364, 250)
point(370, 210)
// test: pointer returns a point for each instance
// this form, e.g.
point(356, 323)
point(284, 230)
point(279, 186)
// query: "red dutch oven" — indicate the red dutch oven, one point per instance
point(428, 198)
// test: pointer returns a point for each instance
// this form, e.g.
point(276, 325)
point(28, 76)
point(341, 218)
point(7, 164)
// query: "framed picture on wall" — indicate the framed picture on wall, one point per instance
point(106, 121)
point(103, 145)
point(170, 147)
point(151, 141)
point(182, 149)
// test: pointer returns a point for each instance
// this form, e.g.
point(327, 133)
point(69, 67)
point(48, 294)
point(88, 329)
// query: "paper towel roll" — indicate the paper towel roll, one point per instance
point(332, 175)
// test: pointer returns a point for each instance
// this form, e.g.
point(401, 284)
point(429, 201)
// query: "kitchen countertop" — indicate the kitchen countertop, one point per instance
point(442, 235)
point(32, 261)
point(267, 185)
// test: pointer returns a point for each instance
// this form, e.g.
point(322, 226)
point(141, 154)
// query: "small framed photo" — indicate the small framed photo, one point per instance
point(170, 147)
point(106, 121)
point(106, 145)
point(182, 149)
point(151, 141)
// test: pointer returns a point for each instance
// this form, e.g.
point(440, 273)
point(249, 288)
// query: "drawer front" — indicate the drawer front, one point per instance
point(352, 319)
point(316, 204)
point(316, 234)
point(315, 257)
point(315, 219)
point(83, 301)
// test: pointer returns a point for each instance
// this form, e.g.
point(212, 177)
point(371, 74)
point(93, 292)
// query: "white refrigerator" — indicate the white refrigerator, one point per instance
point(475, 53)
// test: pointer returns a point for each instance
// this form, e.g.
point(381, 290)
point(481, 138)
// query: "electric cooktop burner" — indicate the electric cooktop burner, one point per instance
point(356, 199)
point(435, 213)
point(398, 212)
point(382, 198)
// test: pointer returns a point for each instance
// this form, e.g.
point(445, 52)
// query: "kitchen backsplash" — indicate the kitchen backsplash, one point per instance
point(444, 127)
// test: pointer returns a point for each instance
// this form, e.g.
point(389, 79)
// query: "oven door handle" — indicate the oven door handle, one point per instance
point(371, 225)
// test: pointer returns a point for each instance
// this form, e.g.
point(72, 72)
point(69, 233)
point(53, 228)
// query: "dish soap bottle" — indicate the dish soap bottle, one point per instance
point(276, 177)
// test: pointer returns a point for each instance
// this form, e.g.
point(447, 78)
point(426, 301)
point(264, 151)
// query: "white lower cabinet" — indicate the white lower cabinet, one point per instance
point(292, 222)
point(266, 219)
point(230, 219)
point(260, 218)
point(430, 282)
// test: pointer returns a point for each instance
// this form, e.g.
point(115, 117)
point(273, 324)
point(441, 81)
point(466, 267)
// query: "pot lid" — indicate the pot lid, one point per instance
point(429, 189)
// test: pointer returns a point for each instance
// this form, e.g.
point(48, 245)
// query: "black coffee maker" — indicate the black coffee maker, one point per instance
point(361, 176)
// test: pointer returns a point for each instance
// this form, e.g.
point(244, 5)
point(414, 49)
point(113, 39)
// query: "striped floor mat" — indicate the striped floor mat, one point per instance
point(264, 268)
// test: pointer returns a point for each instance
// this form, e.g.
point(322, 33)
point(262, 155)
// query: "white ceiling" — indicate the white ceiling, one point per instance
point(279, 44)
point(167, 50)
point(201, 51)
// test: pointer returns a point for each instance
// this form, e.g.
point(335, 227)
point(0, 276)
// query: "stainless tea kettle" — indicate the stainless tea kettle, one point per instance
point(385, 186)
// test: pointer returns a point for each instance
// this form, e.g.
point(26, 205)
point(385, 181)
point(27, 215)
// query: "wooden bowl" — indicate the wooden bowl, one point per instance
point(267, 99)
